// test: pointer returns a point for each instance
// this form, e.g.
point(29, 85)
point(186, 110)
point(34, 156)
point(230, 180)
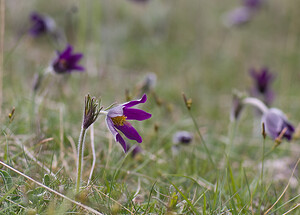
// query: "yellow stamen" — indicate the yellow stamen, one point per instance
point(119, 120)
point(63, 62)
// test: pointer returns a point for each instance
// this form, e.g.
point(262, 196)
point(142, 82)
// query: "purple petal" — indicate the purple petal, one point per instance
point(79, 68)
point(255, 4)
point(135, 102)
point(239, 16)
point(290, 130)
point(183, 137)
point(67, 52)
point(34, 16)
point(75, 57)
point(38, 24)
point(140, 1)
point(137, 149)
point(66, 61)
point(120, 139)
point(273, 123)
point(262, 79)
point(130, 132)
point(136, 114)
point(111, 127)
point(115, 111)
point(115, 133)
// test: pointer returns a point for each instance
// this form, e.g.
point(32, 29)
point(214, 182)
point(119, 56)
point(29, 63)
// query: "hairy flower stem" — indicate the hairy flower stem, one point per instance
point(201, 138)
point(262, 171)
point(33, 112)
point(80, 157)
point(256, 103)
point(93, 152)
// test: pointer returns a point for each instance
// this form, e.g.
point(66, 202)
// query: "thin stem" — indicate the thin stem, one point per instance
point(262, 170)
point(51, 190)
point(262, 164)
point(269, 152)
point(285, 189)
point(256, 103)
point(61, 134)
point(33, 111)
point(201, 138)
point(93, 152)
point(31, 156)
point(298, 205)
point(231, 134)
point(2, 30)
point(103, 112)
point(80, 157)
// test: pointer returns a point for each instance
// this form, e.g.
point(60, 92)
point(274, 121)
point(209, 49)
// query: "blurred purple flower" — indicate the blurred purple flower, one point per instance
point(182, 137)
point(41, 24)
point(116, 120)
point(238, 16)
point(255, 4)
point(242, 14)
point(262, 79)
point(237, 107)
point(276, 122)
point(137, 149)
point(140, 1)
point(66, 61)
point(148, 83)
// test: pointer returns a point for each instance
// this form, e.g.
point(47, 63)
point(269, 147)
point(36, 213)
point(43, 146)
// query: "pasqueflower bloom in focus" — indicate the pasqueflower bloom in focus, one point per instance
point(117, 120)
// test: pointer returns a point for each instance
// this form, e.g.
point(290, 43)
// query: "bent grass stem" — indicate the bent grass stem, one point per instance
point(51, 190)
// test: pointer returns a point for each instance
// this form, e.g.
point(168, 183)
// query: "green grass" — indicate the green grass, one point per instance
point(185, 44)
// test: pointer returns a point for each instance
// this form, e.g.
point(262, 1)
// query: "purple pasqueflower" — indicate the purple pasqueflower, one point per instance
point(276, 123)
point(148, 83)
point(67, 61)
point(237, 107)
point(262, 79)
point(238, 16)
point(182, 137)
point(140, 1)
point(136, 150)
point(242, 14)
point(41, 24)
point(254, 4)
point(117, 120)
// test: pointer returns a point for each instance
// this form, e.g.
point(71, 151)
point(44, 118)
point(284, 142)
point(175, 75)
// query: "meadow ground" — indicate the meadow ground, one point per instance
point(228, 168)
